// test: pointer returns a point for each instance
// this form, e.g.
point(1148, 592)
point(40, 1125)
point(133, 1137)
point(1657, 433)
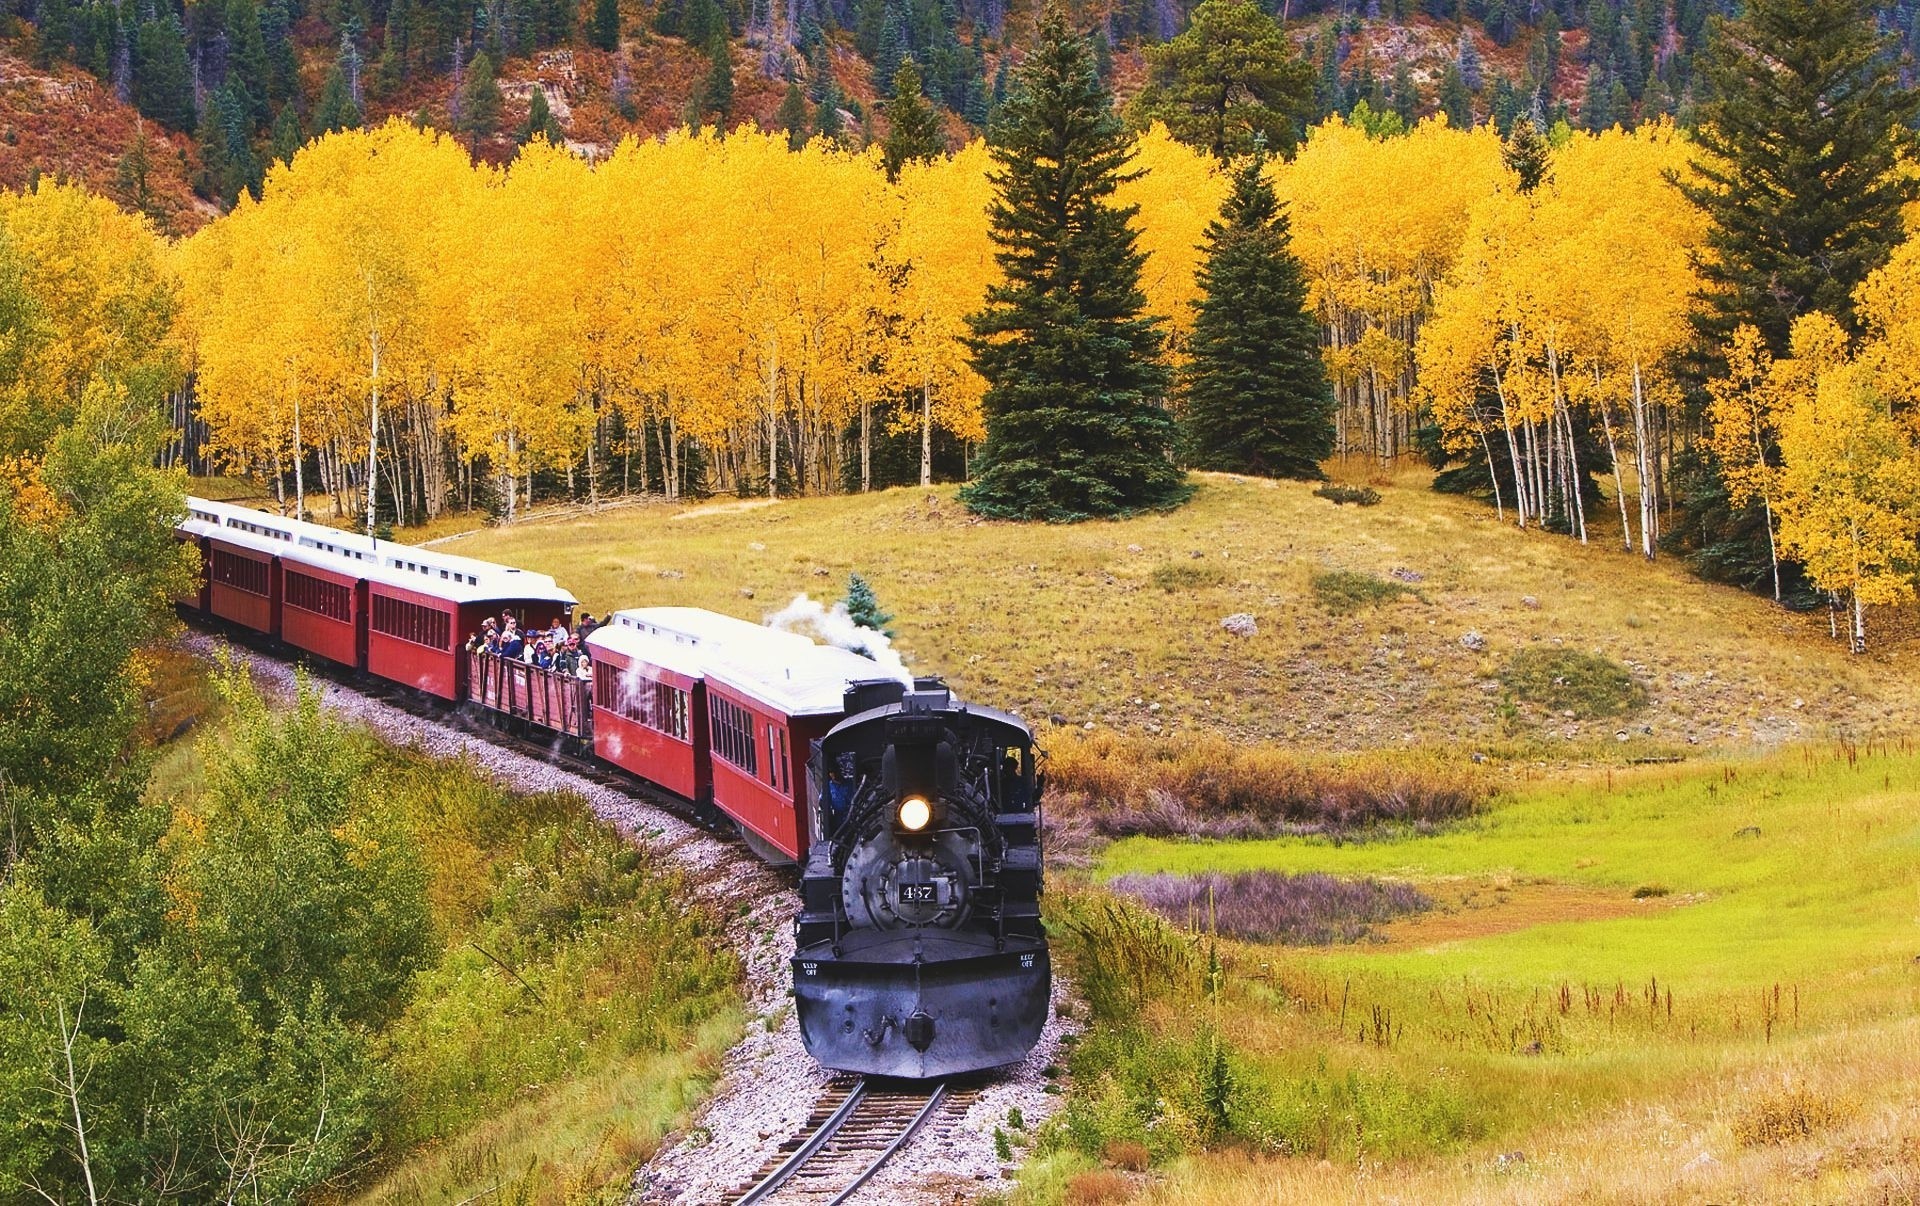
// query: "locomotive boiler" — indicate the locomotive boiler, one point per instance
point(919, 947)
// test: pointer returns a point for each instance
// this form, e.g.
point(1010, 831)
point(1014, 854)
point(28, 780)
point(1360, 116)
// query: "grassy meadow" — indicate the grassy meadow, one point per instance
point(1118, 624)
point(1693, 983)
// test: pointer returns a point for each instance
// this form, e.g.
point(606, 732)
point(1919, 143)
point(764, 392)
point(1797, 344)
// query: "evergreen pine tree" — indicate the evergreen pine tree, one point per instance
point(335, 109)
point(1406, 94)
point(891, 51)
point(285, 140)
point(1526, 153)
point(215, 176)
point(1257, 395)
point(603, 30)
point(247, 61)
point(826, 114)
point(863, 609)
point(1076, 426)
point(913, 126)
point(1595, 116)
point(283, 71)
point(716, 95)
point(540, 120)
point(480, 101)
point(133, 174)
point(1801, 183)
point(1455, 100)
point(54, 35)
point(793, 116)
point(162, 79)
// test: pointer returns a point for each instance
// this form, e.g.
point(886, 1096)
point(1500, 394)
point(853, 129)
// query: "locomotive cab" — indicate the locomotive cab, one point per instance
point(919, 946)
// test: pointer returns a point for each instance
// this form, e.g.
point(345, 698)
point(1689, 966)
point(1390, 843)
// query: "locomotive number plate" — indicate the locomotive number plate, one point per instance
point(917, 894)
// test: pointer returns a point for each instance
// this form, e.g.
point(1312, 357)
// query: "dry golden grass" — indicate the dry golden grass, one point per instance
point(1118, 624)
point(1685, 1148)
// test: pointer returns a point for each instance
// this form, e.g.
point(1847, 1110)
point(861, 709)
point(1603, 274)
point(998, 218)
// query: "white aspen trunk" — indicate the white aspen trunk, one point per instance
point(866, 447)
point(279, 484)
point(1613, 451)
point(373, 436)
point(1859, 642)
point(773, 420)
point(1493, 474)
point(506, 473)
point(593, 467)
point(1642, 462)
point(299, 468)
point(1573, 475)
point(673, 444)
point(1520, 499)
point(1773, 551)
point(67, 1039)
point(926, 433)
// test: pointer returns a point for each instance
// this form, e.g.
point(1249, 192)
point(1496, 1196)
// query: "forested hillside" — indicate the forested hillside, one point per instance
point(245, 82)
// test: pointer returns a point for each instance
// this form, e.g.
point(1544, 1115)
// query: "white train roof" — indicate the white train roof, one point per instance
point(458, 579)
point(783, 669)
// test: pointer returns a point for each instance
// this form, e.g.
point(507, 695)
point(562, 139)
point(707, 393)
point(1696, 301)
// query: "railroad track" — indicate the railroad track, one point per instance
point(855, 1128)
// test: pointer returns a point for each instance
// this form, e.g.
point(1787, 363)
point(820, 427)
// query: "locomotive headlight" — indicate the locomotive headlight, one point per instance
point(915, 812)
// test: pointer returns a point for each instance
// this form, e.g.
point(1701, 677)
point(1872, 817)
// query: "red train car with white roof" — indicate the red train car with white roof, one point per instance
point(398, 612)
point(720, 710)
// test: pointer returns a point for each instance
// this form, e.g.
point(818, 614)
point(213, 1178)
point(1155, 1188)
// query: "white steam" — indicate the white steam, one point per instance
point(833, 626)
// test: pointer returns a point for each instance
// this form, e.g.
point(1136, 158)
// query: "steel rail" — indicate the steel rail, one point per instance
point(926, 1111)
point(806, 1151)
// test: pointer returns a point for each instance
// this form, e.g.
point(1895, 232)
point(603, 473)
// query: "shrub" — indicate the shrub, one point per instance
point(1785, 1114)
point(1099, 1188)
point(1187, 575)
point(1314, 909)
point(1127, 1155)
point(1589, 685)
point(1124, 955)
point(1649, 891)
point(1344, 592)
point(1108, 785)
point(1359, 496)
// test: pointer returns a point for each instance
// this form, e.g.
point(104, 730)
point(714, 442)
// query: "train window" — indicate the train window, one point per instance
point(776, 760)
point(412, 622)
point(241, 573)
point(731, 729)
point(322, 598)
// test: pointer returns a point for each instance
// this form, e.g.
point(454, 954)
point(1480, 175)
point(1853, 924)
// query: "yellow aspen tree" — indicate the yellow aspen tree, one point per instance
point(1850, 493)
point(942, 258)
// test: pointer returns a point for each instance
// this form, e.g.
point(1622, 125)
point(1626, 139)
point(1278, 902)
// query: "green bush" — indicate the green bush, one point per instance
point(1359, 496)
point(1344, 591)
point(1560, 680)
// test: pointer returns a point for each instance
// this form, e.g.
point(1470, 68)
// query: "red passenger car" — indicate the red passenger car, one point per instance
point(766, 705)
point(395, 611)
point(650, 702)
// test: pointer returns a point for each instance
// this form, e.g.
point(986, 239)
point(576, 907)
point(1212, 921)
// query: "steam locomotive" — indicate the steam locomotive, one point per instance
point(919, 949)
point(915, 820)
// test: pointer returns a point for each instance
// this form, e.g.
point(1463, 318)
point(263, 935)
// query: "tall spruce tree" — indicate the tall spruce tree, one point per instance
point(1801, 181)
point(1257, 396)
point(603, 29)
point(913, 125)
point(1076, 426)
point(480, 101)
point(716, 94)
point(162, 77)
point(793, 116)
point(1802, 186)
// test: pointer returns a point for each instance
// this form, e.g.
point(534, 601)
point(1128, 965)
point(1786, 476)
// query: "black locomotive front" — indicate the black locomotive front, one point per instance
point(919, 946)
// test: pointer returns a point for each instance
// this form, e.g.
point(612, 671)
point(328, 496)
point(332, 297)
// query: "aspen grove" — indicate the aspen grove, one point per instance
point(710, 312)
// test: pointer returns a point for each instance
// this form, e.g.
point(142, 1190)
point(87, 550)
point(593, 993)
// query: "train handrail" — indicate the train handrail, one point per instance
point(540, 695)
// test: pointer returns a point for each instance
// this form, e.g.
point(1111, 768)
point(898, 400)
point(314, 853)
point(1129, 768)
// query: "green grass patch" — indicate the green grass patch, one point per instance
point(1187, 575)
point(1562, 680)
point(1344, 592)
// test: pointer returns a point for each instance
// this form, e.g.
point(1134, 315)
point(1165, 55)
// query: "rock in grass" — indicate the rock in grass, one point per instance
point(1473, 641)
point(1241, 623)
